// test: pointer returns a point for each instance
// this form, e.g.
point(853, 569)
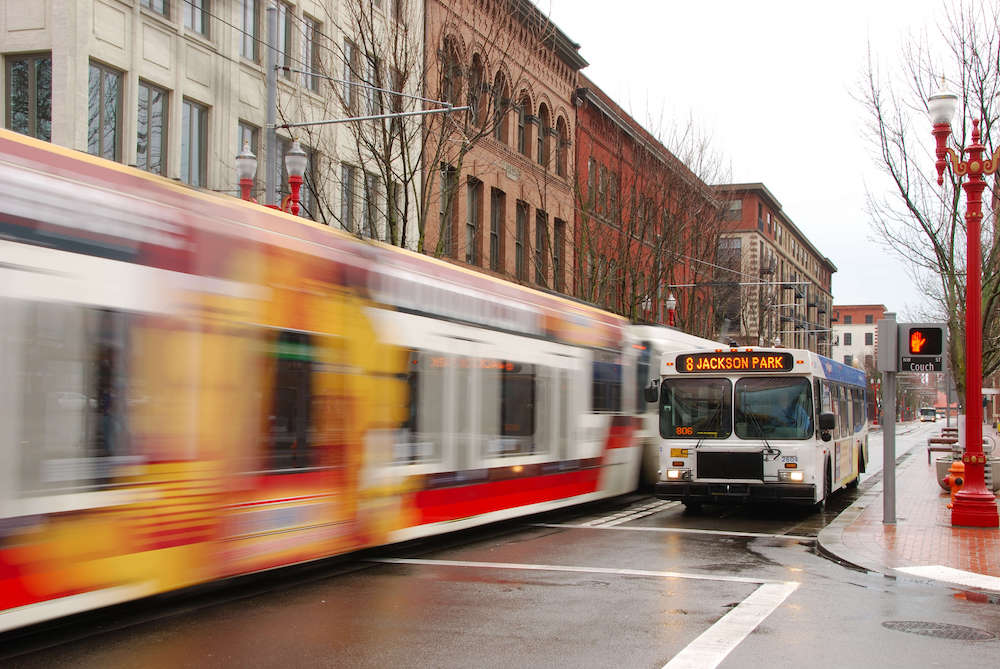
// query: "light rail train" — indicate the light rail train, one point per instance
point(197, 387)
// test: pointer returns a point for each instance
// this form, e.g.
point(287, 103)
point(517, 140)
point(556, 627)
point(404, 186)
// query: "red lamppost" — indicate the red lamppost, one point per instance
point(295, 164)
point(974, 505)
point(671, 304)
point(246, 168)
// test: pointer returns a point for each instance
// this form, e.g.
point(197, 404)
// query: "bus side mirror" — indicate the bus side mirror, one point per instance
point(827, 421)
point(652, 392)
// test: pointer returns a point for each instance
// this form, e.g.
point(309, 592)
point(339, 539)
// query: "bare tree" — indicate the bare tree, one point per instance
point(917, 220)
point(647, 222)
point(395, 178)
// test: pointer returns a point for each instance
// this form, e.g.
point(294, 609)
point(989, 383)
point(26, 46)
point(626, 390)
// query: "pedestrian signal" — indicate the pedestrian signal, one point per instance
point(924, 340)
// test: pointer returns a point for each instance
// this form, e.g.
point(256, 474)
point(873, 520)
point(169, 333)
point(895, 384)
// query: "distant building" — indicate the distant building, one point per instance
point(855, 337)
point(784, 296)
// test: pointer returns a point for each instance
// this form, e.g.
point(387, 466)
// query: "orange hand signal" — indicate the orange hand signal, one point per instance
point(917, 341)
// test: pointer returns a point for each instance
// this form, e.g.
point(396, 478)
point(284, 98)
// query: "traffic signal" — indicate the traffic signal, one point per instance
point(924, 340)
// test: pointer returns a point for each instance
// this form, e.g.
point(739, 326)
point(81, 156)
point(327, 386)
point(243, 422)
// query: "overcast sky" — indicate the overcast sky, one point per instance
point(773, 84)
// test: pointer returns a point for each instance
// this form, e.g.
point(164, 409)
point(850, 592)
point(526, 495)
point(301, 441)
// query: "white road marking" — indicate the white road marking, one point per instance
point(715, 643)
point(681, 530)
point(645, 510)
point(568, 568)
point(951, 575)
point(656, 508)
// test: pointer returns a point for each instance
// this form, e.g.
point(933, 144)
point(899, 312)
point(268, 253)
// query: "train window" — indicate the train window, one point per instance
point(424, 430)
point(565, 414)
point(517, 410)
point(289, 430)
point(606, 382)
point(71, 363)
point(642, 365)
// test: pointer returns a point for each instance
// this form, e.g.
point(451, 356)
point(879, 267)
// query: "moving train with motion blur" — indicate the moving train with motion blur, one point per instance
point(198, 387)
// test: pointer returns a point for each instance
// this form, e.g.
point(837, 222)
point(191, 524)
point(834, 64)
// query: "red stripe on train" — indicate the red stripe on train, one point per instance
point(434, 506)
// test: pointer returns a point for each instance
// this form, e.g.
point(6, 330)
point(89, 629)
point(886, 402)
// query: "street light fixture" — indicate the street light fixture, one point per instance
point(974, 505)
point(295, 164)
point(246, 169)
point(671, 305)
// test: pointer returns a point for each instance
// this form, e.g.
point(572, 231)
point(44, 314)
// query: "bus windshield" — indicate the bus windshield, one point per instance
point(931, 412)
point(696, 408)
point(773, 408)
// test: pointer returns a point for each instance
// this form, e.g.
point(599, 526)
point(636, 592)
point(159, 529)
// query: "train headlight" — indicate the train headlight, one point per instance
point(678, 474)
point(792, 476)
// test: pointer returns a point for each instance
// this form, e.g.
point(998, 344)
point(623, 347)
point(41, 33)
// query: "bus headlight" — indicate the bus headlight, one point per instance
point(792, 476)
point(678, 474)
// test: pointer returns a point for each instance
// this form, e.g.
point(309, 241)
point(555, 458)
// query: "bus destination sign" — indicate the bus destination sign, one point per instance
point(735, 361)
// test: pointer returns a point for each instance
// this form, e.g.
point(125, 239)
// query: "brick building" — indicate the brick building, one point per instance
point(789, 297)
point(504, 203)
point(641, 215)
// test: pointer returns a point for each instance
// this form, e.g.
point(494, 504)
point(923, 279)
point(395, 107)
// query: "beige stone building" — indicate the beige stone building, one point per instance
point(177, 87)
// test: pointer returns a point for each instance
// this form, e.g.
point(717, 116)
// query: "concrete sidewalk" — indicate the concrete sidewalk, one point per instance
point(922, 543)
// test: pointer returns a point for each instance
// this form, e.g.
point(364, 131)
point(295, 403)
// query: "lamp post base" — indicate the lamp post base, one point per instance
point(975, 509)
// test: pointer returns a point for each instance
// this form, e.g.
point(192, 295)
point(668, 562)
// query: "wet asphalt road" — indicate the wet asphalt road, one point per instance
point(633, 582)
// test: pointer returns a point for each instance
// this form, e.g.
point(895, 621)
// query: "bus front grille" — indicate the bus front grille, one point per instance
point(739, 465)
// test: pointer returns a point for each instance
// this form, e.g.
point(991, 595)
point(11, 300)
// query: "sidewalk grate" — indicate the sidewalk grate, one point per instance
point(939, 630)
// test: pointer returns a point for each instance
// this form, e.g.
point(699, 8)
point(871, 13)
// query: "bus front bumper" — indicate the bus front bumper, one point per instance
point(722, 493)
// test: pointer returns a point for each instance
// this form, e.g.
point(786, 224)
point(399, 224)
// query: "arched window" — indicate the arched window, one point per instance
point(501, 98)
point(451, 73)
point(476, 91)
point(523, 130)
point(542, 152)
point(562, 146)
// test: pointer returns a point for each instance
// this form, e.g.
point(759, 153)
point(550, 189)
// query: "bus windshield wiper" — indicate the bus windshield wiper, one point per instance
point(768, 449)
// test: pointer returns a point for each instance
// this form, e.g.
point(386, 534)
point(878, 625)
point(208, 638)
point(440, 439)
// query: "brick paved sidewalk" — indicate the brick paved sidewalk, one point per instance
point(922, 535)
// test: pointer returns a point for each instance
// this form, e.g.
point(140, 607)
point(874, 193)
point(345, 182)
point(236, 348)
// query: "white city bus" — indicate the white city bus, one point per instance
point(756, 425)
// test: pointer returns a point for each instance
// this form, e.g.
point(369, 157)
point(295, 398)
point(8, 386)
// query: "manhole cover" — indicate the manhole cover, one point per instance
point(939, 630)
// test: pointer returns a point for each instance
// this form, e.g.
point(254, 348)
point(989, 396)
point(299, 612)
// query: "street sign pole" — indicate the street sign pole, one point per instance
point(888, 364)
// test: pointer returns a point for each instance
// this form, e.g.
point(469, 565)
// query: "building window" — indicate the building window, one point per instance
point(251, 20)
point(449, 193)
point(869, 319)
point(869, 339)
point(104, 112)
point(158, 6)
point(498, 201)
point(520, 240)
point(847, 339)
point(541, 246)
point(473, 216)
point(734, 211)
point(398, 10)
point(501, 97)
point(194, 143)
point(373, 97)
point(562, 147)
point(286, 16)
point(29, 95)
point(350, 77)
point(310, 52)
point(558, 247)
point(348, 179)
point(369, 206)
point(196, 16)
point(543, 136)
point(151, 133)
point(522, 127)
point(249, 135)
point(848, 359)
point(847, 320)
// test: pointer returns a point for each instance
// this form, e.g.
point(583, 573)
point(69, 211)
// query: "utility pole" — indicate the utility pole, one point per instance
point(271, 137)
point(888, 364)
